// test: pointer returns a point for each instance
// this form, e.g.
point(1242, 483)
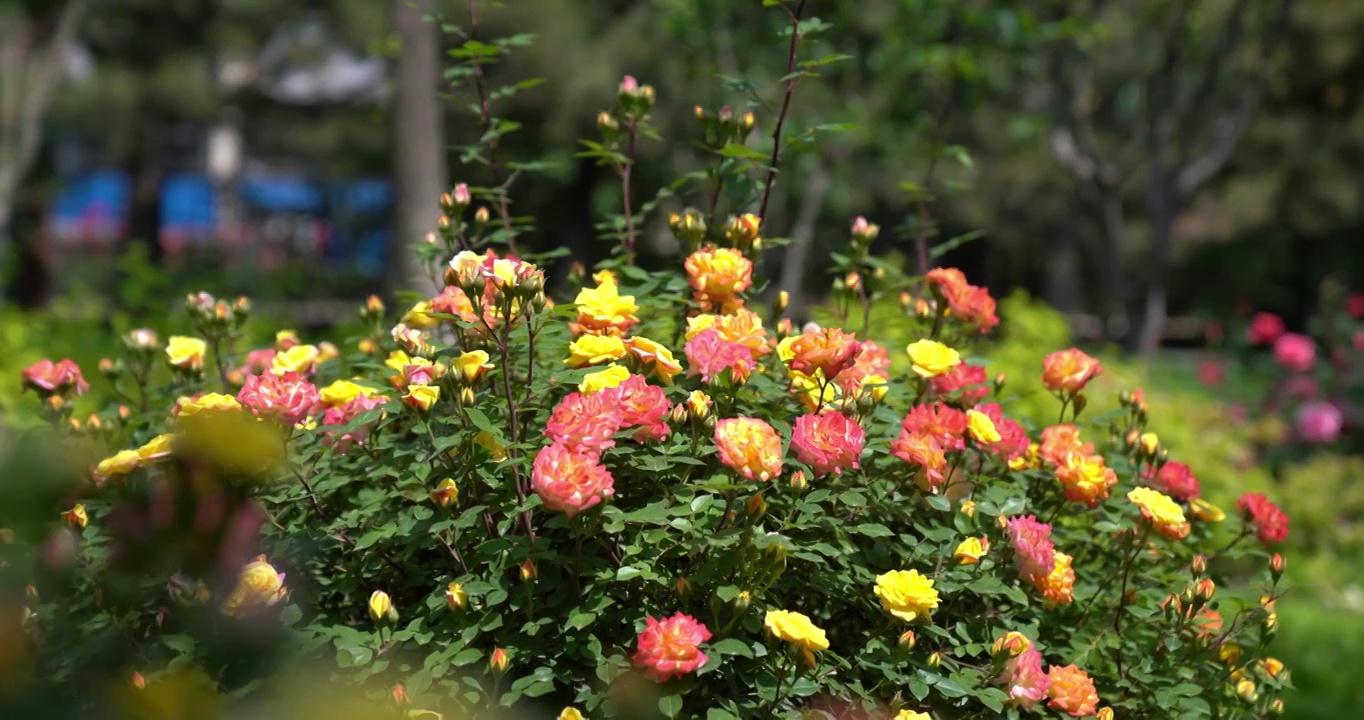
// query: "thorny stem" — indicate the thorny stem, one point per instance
point(486, 123)
point(785, 107)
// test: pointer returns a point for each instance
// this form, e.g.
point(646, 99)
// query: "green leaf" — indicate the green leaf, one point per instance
point(182, 644)
point(627, 573)
point(732, 646)
point(873, 530)
point(670, 705)
point(939, 502)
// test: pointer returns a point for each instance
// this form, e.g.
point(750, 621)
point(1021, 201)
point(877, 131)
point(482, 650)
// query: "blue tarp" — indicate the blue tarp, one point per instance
point(188, 205)
point(92, 206)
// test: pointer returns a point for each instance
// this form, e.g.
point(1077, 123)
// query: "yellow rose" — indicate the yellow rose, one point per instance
point(570, 713)
point(259, 585)
point(912, 715)
point(594, 350)
point(697, 323)
point(1205, 511)
point(931, 358)
point(380, 606)
point(1164, 514)
point(971, 550)
point(1150, 443)
point(796, 629)
point(299, 359)
point(285, 339)
point(422, 397)
point(603, 309)
point(76, 517)
point(906, 594)
point(472, 365)
point(342, 392)
point(608, 377)
point(784, 350)
point(420, 316)
point(120, 463)
point(665, 366)
point(208, 402)
point(490, 443)
point(981, 427)
point(186, 353)
point(232, 440)
point(156, 448)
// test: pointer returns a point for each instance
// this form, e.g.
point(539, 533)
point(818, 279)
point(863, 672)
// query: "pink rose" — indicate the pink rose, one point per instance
point(1264, 329)
point(1319, 422)
point(1297, 353)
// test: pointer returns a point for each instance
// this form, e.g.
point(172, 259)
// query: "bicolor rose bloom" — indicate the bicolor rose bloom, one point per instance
point(1069, 371)
point(742, 326)
point(1058, 441)
point(568, 481)
point(288, 397)
point(341, 392)
point(602, 310)
point(1164, 514)
point(1296, 353)
point(829, 442)
point(1058, 588)
point(672, 647)
point(967, 382)
point(205, 403)
point(708, 355)
point(940, 421)
point(1177, 480)
point(1264, 329)
point(1013, 439)
point(750, 447)
point(585, 423)
point(829, 351)
point(1319, 422)
point(299, 358)
point(608, 377)
point(971, 550)
point(906, 594)
point(342, 415)
point(1085, 478)
point(1024, 680)
point(258, 586)
point(981, 428)
point(1072, 691)
point(718, 276)
point(653, 356)
point(923, 452)
point(1034, 551)
point(641, 406)
point(61, 377)
point(1271, 523)
point(966, 302)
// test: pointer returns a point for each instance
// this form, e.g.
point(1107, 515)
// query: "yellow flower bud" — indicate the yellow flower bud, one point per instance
point(445, 493)
point(455, 597)
point(380, 606)
point(528, 571)
point(499, 661)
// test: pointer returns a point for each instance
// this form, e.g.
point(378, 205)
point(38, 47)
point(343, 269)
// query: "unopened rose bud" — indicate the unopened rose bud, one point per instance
point(447, 202)
point(76, 517)
point(1271, 624)
point(907, 640)
point(461, 196)
point(863, 230)
point(798, 481)
point(1245, 688)
point(968, 508)
point(529, 572)
point(109, 368)
point(138, 681)
point(785, 328)
point(699, 113)
point(380, 607)
point(124, 412)
point(853, 281)
point(1277, 565)
point(399, 694)
point(1009, 645)
point(1002, 522)
point(1105, 713)
point(699, 404)
point(743, 601)
point(455, 597)
point(467, 397)
point(906, 299)
point(1199, 565)
point(683, 588)
point(498, 661)
point(935, 660)
point(1276, 707)
point(755, 506)
point(606, 122)
point(1080, 403)
point(1150, 443)
point(678, 416)
point(746, 122)
point(628, 85)
point(783, 301)
point(1204, 589)
point(481, 216)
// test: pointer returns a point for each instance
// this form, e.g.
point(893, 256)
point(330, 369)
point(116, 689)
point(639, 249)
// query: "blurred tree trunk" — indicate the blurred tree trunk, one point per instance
point(419, 157)
point(29, 75)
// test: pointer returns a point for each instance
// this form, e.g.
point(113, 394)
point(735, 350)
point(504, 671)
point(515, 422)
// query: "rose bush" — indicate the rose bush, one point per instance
point(648, 495)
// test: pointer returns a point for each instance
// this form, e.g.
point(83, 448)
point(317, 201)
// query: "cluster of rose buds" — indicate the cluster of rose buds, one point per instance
point(724, 127)
point(213, 317)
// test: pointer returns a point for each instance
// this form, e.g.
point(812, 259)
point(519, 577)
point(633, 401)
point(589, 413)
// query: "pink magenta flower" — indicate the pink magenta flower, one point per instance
point(585, 423)
point(59, 377)
point(829, 350)
point(1211, 373)
point(288, 397)
point(1024, 679)
point(750, 447)
point(570, 481)
point(830, 442)
point(1354, 305)
point(1297, 353)
point(1069, 370)
point(940, 421)
point(1177, 480)
point(642, 406)
point(968, 380)
point(1034, 551)
point(1264, 329)
point(708, 355)
point(1271, 523)
point(671, 648)
point(259, 361)
point(1319, 422)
